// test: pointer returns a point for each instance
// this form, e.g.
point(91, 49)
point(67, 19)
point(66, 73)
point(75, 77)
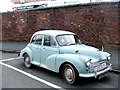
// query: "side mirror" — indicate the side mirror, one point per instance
point(102, 48)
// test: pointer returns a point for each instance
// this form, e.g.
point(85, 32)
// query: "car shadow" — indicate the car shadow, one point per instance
point(56, 78)
point(87, 81)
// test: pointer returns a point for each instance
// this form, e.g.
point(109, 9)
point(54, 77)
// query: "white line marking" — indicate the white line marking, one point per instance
point(32, 76)
point(10, 59)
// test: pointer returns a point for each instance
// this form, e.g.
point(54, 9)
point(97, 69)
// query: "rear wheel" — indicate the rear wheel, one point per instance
point(27, 61)
point(70, 74)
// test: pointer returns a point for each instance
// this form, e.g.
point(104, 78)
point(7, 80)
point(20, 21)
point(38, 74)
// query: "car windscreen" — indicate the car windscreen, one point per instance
point(66, 40)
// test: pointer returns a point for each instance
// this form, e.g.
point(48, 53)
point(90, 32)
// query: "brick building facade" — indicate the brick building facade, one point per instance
point(95, 24)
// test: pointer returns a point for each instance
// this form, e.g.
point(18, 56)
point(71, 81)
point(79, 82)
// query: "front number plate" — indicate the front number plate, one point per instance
point(100, 66)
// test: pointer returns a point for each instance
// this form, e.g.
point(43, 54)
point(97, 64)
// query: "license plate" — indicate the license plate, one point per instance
point(100, 66)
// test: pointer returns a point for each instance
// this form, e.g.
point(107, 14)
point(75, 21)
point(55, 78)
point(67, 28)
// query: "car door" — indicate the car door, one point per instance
point(36, 45)
point(49, 52)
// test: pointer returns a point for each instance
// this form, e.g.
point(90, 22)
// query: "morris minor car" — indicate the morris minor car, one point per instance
point(62, 52)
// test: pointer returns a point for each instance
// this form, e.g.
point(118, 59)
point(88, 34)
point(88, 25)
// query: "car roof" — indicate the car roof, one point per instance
point(53, 32)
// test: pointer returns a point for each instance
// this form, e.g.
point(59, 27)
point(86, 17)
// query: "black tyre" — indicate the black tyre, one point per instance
point(70, 74)
point(27, 61)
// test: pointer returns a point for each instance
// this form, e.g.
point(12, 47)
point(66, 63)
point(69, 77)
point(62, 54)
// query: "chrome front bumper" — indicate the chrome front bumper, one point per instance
point(95, 74)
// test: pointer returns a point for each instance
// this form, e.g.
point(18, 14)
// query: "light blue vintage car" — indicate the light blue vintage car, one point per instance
point(62, 52)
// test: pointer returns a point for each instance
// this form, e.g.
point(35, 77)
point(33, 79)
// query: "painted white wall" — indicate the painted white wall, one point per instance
point(5, 5)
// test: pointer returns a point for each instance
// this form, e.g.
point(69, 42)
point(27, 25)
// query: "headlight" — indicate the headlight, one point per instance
point(108, 58)
point(88, 63)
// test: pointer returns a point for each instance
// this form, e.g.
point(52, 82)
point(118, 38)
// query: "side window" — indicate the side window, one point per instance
point(49, 41)
point(37, 39)
point(33, 40)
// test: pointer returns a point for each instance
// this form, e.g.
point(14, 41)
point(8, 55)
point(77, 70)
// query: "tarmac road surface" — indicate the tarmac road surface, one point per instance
point(14, 79)
point(15, 75)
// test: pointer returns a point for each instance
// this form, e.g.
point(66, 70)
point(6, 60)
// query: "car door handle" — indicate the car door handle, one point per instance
point(43, 48)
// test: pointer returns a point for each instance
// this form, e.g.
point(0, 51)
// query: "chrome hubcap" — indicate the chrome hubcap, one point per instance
point(69, 75)
point(27, 62)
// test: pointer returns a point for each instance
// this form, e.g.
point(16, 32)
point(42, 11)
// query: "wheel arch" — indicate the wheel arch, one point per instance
point(71, 59)
point(26, 51)
point(62, 65)
point(24, 54)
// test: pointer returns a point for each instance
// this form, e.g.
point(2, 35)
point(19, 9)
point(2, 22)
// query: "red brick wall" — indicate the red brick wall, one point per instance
point(95, 24)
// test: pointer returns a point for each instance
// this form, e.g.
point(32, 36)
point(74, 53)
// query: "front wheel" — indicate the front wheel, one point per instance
point(70, 74)
point(27, 61)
